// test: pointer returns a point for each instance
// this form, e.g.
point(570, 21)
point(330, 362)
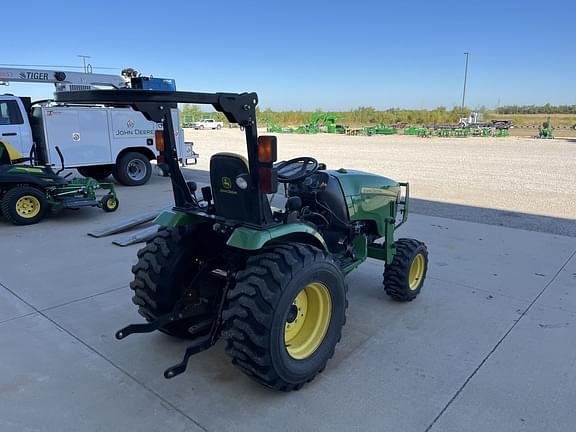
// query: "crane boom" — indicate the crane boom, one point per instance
point(63, 81)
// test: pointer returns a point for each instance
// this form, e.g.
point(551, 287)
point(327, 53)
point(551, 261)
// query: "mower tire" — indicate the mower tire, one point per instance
point(284, 316)
point(109, 203)
point(24, 205)
point(99, 172)
point(404, 277)
point(132, 169)
point(165, 266)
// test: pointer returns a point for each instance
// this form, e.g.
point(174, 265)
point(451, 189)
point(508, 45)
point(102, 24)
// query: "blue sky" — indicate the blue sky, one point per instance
point(313, 54)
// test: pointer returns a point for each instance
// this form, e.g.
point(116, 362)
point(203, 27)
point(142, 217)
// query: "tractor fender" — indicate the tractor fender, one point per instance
point(253, 239)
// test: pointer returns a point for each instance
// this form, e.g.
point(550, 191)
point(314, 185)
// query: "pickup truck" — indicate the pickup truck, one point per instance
point(96, 140)
point(208, 124)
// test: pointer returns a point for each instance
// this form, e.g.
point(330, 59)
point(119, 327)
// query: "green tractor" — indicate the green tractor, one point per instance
point(546, 131)
point(269, 281)
point(29, 192)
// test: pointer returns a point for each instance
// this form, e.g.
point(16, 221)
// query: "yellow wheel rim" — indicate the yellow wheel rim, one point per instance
point(111, 203)
point(416, 271)
point(28, 206)
point(308, 321)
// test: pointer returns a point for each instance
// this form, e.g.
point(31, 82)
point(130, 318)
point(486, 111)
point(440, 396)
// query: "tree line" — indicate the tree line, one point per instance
point(360, 116)
point(537, 109)
point(367, 115)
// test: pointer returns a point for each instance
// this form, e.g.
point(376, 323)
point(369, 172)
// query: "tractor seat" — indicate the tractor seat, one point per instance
point(6, 159)
point(230, 201)
point(4, 155)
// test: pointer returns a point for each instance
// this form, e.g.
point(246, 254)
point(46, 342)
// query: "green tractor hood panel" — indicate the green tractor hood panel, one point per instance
point(368, 195)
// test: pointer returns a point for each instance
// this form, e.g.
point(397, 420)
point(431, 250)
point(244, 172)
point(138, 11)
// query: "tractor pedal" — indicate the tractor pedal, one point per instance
point(199, 345)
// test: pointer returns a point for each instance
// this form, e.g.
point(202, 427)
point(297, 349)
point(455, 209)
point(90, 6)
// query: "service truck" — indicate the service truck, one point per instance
point(97, 140)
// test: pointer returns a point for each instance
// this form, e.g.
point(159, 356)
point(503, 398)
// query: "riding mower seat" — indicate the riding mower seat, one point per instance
point(230, 200)
point(13, 171)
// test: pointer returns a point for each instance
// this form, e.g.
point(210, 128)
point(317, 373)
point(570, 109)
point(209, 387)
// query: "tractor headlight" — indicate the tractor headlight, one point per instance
point(241, 182)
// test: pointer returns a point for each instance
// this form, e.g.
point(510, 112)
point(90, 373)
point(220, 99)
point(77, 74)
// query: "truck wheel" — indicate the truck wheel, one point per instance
point(284, 316)
point(219, 127)
point(99, 172)
point(132, 169)
point(24, 205)
point(162, 275)
point(404, 277)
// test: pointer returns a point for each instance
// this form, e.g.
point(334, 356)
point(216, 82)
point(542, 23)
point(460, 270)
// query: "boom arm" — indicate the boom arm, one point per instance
point(63, 81)
point(238, 108)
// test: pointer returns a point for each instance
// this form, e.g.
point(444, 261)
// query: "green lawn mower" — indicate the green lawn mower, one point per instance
point(28, 192)
point(270, 282)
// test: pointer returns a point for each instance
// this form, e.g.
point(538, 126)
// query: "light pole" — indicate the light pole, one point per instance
point(84, 57)
point(465, 78)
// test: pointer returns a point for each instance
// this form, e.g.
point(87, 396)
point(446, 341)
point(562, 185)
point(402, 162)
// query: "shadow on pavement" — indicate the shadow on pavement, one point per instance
point(489, 216)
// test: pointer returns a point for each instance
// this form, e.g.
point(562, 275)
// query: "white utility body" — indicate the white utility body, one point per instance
point(97, 140)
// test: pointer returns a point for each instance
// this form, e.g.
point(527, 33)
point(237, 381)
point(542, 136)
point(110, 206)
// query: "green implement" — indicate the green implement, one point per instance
point(28, 193)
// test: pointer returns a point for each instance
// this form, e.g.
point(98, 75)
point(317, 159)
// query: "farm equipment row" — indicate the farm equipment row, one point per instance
point(326, 123)
point(451, 132)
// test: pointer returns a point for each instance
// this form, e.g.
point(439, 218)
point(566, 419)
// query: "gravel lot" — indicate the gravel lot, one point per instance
point(518, 182)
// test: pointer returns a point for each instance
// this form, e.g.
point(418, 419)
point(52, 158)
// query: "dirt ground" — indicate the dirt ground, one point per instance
point(513, 174)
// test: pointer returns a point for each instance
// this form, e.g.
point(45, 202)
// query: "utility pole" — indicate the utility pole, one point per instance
point(84, 57)
point(465, 78)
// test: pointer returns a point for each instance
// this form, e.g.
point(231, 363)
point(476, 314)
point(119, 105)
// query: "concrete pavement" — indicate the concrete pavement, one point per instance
point(486, 347)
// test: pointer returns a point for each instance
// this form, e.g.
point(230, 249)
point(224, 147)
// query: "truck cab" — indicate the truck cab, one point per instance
point(15, 131)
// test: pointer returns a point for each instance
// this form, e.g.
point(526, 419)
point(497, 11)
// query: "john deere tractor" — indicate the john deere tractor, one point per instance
point(269, 281)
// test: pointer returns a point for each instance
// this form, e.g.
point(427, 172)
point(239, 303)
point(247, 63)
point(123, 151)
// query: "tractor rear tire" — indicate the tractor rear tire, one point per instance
point(24, 205)
point(100, 172)
point(279, 286)
point(164, 267)
point(404, 277)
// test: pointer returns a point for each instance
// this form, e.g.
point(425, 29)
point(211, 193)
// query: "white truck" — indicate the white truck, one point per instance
point(208, 124)
point(97, 140)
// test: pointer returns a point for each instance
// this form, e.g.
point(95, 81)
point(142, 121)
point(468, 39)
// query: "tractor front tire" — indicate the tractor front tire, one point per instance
point(164, 267)
point(404, 277)
point(24, 205)
point(284, 316)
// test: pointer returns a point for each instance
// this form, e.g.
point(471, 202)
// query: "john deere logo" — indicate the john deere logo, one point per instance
point(130, 124)
point(226, 183)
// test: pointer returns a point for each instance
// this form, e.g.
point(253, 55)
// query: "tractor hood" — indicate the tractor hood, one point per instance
point(356, 183)
point(369, 197)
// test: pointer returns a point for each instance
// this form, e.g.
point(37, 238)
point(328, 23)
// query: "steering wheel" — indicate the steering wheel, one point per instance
point(296, 169)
